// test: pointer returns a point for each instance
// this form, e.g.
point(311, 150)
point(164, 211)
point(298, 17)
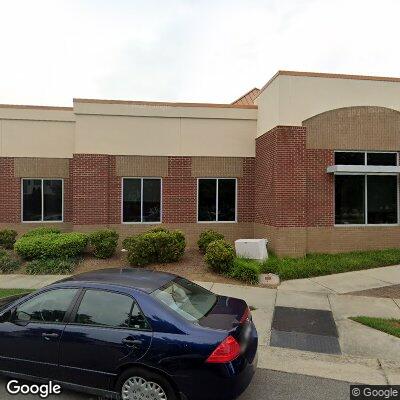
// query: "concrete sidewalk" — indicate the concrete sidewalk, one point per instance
point(346, 282)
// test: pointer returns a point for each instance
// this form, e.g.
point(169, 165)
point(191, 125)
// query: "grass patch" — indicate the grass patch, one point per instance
point(390, 326)
point(12, 292)
point(326, 264)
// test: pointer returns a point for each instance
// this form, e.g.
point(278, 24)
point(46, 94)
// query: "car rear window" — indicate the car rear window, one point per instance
point(189, 300)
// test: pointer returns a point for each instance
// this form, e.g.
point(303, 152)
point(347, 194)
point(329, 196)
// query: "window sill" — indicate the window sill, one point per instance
point(42, 222)
point(141, 223)
point(364, 225)
point(217, 222)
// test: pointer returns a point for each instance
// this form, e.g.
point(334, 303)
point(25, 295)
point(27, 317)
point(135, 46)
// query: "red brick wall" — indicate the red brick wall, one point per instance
point(10, 192)
point(281, 170)
point(179, 192)
point(90, 186)
point(320, 188)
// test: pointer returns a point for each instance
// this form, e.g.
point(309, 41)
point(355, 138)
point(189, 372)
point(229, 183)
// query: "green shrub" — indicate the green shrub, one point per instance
point(207, 237)
point(40, 231)
point(52, 245)
point(161, 246)
point(51, 266)
point(7, 238)
point(8, 264)
point(220, 256)
point(104, 243)
point(245, 270)
point(158, 229)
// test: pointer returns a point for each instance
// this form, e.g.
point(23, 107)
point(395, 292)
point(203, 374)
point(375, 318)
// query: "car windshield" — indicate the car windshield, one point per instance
point(189, 300)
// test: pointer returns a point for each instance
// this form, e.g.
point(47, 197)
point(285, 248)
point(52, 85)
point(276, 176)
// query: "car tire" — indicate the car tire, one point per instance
point(156, 384)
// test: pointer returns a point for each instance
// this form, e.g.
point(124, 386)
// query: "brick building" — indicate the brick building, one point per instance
point(310, 162)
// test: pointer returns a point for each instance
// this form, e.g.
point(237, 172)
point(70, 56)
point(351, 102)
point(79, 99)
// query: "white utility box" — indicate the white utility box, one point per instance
point(255, 249)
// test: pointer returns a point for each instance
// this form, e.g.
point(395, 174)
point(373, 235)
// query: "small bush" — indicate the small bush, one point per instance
point(220, 256)
point(40, 231)
point(155, 246)
point(51, 266)
point(104, 243)
point(245, 270)
point(8, 264)
point(158, 229)
point(52, 245)
point(7, 238)
point(207, 237)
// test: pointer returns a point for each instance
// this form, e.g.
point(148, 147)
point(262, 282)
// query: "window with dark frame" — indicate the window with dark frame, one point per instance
point(42, 200)
point(368, 198)
point(216, 200)
point(141, 200)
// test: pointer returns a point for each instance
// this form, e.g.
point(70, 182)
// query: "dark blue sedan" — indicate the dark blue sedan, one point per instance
point(133, 333)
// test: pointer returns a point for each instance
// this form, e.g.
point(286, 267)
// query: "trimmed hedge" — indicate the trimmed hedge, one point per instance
point(51, 245)
point(160, 246)
point(40, 231)
point(207, 237)
point(104, 243)
point(7, 238)
point(220, 256)
point(51, 266)
point(245, 270)
point(8, 264)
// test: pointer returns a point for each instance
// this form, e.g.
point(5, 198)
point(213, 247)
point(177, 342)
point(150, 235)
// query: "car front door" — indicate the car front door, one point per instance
point(106, 330)
point(29, 339)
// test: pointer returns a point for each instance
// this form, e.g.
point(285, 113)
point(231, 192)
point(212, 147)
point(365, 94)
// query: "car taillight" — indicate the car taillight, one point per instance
point(245, 316)
point(227, 351)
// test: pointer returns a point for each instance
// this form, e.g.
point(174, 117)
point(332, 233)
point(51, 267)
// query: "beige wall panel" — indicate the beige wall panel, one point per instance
point(218, 137)
point(362, 128)
point(165, 110)
point(36, 113)
point(41, 167)
point(97, 134)
point(164, 136)
point(37, 139)
point(141, 166)
point(217, 166)
point(268, 106)
point(302, 97)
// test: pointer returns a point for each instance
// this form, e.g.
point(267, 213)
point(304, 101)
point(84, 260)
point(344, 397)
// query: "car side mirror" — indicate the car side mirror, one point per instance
point(5, 316)
point(20, 318)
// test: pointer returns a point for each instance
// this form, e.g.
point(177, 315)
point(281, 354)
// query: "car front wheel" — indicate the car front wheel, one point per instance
point(139, 384)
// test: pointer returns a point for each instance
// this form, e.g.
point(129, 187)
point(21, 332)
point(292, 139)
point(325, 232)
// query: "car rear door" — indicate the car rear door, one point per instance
point(107, 329)
point(29, 340)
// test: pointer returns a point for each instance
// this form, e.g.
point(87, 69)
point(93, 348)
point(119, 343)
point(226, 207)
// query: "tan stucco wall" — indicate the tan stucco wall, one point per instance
point(289, 100)
point(28, 138)
point(217, 167)
point(158, 136)
point(141, 166)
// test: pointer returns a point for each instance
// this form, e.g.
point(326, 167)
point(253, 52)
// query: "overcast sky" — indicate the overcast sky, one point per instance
point(185, 50)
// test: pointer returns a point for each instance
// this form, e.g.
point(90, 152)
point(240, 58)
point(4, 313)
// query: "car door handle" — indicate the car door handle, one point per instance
point(49, 336)
point(131, 342)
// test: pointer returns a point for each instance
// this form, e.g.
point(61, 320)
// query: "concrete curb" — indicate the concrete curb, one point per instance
point(352, 369)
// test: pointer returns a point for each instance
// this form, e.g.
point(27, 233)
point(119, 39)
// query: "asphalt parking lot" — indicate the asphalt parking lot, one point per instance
point(266, 385)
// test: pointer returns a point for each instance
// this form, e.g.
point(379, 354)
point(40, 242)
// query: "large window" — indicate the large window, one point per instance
point(216, 200)
point(141, 200)
point(42, 200)
point(366, 198)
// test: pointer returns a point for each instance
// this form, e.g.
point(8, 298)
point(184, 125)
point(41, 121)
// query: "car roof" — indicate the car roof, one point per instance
point(137, 278)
